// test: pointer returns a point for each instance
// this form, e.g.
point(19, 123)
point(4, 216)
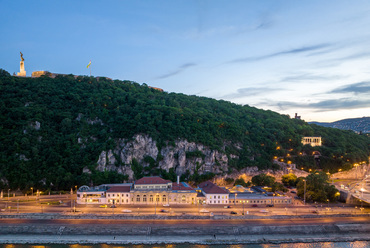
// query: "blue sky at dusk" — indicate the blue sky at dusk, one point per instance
point(310, 57)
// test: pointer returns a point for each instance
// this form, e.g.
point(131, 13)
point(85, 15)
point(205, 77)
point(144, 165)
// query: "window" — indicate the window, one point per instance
point(108, 195)
point(157, 198)
point(218, 197)
point(144, 198)
point(210, 197)
point(164, 198)
point(122, 195)
point(183, 198)
point(151, 198)
point(112, 195)
point(78, 195)
point(126, 195)
point(138, 198)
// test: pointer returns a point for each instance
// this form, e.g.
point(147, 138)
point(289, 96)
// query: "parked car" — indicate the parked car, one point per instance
point(113, 206)
point(227, 206)
point(269, 205)
point(203, 211)
point(264, 211)
point(164, 211)
point(315, 212)
point(233, 212)
point(166, 205)
point(254, 205)
point(103, 206)
point(127, 211)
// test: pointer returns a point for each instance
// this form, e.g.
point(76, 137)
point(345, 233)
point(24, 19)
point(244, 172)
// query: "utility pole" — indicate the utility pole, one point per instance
point(304, 194)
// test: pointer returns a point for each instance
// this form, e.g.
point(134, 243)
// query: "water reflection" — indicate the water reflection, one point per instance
point(356, 244)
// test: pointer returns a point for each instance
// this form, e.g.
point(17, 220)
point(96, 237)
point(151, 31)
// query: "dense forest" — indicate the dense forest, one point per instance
point(43, 120)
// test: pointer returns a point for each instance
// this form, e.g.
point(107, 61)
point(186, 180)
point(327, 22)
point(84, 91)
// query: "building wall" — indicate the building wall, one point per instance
point(217, 198)
point(118, 198)
point(91, 197)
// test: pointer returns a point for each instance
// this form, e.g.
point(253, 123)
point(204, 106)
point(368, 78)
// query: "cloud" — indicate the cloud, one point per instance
point(177, 71)
point(251, 91)
point(311, 77)
point(325, 105)
point(356, 88)
point(287, 52)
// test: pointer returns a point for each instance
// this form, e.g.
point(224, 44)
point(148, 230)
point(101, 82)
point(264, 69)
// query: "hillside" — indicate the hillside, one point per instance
point(355, 124)
point(66, 131)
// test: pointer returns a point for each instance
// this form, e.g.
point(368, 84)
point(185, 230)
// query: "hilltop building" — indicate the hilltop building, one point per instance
point(313, 141)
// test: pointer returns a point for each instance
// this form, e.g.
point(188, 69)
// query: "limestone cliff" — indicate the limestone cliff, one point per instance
point(180, 155)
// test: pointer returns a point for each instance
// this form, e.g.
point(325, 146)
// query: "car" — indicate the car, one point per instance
point(203, 211)
point(254, 205)
point(269, 205)
point(113, 206)
point(264, 211)
point(103, 206)
point(164, 211)
point(166, 205)
point(315, 212)
point(294, 192)
point(126, 211)
point(227, 206)
point(233, 212)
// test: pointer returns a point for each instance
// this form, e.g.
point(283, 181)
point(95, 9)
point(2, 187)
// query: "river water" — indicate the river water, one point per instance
point(356, 244)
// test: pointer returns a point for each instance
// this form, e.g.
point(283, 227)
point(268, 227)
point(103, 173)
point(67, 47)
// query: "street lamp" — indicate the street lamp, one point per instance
point(243, 207)
point(32, 191)
point(356, 165)
point(304, 194)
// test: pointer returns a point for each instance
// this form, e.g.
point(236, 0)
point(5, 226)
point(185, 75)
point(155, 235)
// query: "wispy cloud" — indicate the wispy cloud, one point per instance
point(250, 91)
point(311, 77)
point(177, 71)
point(287, 52)
point(356, 88)
point(325, 105)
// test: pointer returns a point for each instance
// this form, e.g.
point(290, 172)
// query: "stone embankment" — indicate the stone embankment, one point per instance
point(172, 231)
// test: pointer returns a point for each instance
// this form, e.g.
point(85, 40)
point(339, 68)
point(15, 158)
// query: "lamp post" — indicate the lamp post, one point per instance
point(8, 199)
point(356, 165)
point(243, 207)
point(32, 191)
point(304, 194)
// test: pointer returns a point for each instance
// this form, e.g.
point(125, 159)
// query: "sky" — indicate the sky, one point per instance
point(307, 57)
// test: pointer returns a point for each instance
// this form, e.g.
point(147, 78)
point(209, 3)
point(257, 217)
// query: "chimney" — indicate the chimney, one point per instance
point(178, 179)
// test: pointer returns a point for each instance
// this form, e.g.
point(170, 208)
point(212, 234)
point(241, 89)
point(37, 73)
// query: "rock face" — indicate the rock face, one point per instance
point(181, 155)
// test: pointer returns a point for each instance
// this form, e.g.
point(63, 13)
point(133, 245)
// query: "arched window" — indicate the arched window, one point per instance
point(144, 198)
point(164, 198)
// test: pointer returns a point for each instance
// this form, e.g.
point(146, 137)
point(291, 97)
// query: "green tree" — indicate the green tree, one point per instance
point(263, 180)
point(289, 179)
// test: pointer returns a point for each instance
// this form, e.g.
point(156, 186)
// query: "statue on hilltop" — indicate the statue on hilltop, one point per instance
point(22, 56)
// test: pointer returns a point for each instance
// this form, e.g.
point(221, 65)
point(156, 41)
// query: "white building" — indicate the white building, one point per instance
point(213, 193)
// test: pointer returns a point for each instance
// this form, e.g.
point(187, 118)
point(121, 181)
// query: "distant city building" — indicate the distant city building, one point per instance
point(313, 141)
point(297, 116)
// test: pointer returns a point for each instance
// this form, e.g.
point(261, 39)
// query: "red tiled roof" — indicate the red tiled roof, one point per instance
point(152, 180)
point(211, 188)
point(119, 189)
point(180, 186)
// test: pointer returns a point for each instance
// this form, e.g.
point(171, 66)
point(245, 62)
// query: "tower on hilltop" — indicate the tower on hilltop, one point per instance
point(22, 72)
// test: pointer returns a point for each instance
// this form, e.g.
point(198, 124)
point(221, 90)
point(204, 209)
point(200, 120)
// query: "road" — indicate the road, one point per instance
point(184, 223)
point(66, 203)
